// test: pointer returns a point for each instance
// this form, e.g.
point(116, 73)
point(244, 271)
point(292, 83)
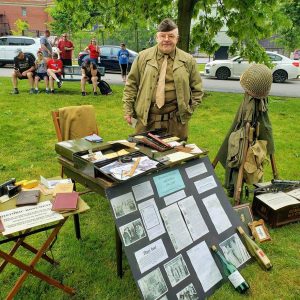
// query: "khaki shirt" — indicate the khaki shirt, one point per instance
point(142, 80)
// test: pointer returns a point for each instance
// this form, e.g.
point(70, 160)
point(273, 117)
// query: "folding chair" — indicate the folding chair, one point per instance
point(83, 118)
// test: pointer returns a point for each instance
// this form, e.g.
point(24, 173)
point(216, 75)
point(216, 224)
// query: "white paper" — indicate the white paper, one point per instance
point(204, 266)
point(177, 230)
point(196, 149)
point(142, 190)
point(22, 218)
point(51, 183)
point(234, 250)
point(151, 218)
point(151, 255)
point(193, 217)
point(176, 270)
point(153, 285)
point(196, 170)
point(295, 193)
point(123, 205)
point(217, 213)
point(177, 156)
point(174, 197)
point(205, 184)
point(277, 200)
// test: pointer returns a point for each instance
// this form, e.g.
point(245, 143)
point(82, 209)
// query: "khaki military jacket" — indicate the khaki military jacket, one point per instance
point(143, 78)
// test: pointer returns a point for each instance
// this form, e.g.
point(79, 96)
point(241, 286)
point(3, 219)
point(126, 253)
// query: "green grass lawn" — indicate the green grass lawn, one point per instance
point(27, 142)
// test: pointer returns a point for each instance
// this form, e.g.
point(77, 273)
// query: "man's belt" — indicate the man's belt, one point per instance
point(163, 117)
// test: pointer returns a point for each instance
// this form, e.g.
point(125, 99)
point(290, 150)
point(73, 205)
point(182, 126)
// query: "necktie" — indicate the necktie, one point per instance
point(160, 92)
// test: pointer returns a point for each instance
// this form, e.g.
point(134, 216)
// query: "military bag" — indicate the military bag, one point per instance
point(236, 145)
point(254, 163)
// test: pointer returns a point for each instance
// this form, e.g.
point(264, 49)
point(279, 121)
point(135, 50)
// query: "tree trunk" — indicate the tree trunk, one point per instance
point(185, 12)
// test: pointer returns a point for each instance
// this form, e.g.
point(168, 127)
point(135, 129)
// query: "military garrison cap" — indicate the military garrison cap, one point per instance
point(257, 80)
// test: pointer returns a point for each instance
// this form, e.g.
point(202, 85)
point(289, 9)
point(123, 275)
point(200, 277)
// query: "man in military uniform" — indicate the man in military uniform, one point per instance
point(163, 87)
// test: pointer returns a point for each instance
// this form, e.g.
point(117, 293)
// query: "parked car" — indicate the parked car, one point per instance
point(109, 58)
point(284, 68)
point(9, 45)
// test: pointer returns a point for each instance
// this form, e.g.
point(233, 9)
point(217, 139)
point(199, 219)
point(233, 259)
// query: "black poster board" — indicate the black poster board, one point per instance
point(166, 266)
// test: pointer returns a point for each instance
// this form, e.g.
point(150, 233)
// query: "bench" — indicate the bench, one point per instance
point(76, 71)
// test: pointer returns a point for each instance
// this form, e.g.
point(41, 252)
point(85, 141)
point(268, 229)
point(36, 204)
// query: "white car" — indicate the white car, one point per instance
point(284, 68)
point(9, 45)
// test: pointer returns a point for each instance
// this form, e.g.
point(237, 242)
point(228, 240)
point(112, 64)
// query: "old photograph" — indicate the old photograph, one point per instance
point(176, 270)
point(188, 293)
point(132, 232)
point(123, 205)
point(235, 251)
point(153, 285)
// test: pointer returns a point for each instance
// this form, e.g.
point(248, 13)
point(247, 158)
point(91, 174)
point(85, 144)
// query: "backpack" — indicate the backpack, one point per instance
point(236, 146)
point(104, 88)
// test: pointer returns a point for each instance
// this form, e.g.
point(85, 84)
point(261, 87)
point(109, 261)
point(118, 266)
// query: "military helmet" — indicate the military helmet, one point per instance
point(257, 80)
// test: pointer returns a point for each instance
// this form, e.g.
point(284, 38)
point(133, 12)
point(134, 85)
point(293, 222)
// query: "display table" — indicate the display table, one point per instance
point(19, 239)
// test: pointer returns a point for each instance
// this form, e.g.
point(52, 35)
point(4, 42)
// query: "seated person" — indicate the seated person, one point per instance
point(23, 69)
point(90, 74)
point(41, 72)
point(54, 70)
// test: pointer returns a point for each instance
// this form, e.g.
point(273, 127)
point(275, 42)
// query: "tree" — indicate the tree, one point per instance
point(290, 34)
point(20, 26)
point(247, 21)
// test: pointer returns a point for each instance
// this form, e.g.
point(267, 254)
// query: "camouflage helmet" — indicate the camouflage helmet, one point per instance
point(257, 80)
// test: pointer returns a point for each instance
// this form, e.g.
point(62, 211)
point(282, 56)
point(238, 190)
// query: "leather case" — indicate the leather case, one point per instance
point(28, 198)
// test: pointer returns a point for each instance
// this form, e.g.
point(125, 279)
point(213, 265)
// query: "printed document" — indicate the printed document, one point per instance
point(176, 227)
point(295, 193)
point(277, 200)
point(193, 217)
point(22, 218)
point(151, 218)
point(174, 197)
point(142, 191)
point(168, 183)
point(196, 170)
point(205, 184)
point(151, 255)
point(217, 213)
point(204, 265)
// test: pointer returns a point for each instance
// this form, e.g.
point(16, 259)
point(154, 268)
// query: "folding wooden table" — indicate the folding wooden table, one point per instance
point(19, 237)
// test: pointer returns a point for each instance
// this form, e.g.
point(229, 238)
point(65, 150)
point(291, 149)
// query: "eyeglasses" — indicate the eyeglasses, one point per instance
point(164, 36)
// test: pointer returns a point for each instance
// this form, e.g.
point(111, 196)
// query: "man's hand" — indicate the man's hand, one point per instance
point(24, 73)
point(128, 119)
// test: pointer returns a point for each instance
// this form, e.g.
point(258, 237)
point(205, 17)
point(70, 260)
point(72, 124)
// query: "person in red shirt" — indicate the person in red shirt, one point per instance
point(65, 47)
point(54, 69)
point(94, 51)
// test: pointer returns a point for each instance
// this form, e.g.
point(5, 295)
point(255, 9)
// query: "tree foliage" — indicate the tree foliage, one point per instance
point(290, 34)
point(20, 26)
point(246, 21)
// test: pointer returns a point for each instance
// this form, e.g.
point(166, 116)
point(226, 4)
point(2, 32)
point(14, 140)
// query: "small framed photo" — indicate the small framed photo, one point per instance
point(260, 231)
point(245, 213)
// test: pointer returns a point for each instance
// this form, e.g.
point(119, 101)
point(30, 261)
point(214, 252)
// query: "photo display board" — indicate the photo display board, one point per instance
point(168, 221)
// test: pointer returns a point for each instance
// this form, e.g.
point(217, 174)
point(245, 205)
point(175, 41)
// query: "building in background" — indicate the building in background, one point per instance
point(31, 11)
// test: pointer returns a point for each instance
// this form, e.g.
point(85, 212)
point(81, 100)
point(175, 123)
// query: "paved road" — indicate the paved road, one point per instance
point(288, 89)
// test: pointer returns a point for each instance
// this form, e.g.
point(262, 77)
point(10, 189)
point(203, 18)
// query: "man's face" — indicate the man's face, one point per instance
point(47, 34)
point(167, 41)
point(21, 55)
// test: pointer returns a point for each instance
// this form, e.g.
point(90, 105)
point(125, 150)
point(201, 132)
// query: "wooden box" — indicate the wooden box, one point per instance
point(276, 209)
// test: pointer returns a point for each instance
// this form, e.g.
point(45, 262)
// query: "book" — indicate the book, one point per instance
point(28, 198)
point(64, 202)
